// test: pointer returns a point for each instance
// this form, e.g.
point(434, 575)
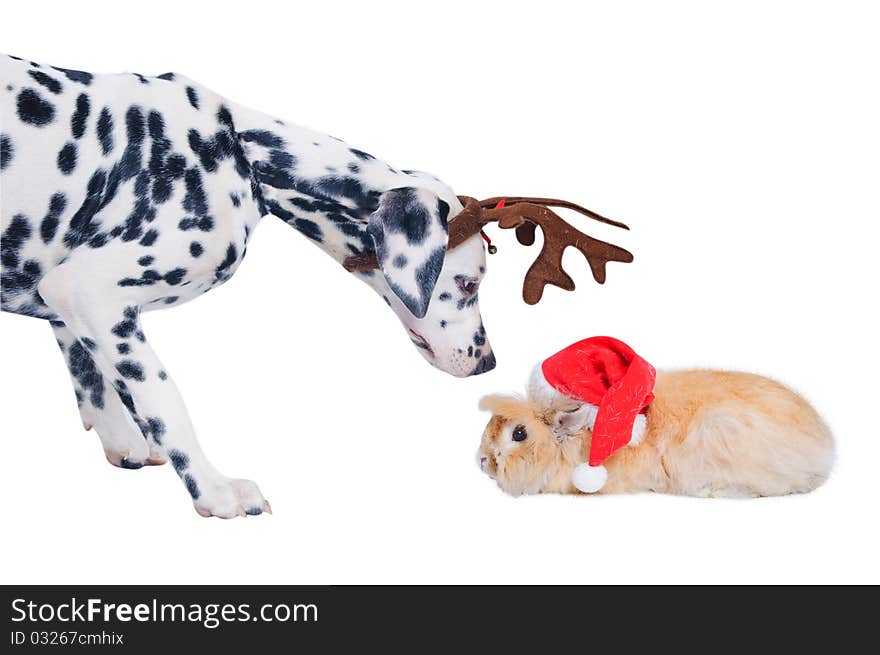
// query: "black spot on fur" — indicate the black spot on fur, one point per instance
point(32, 267)
point(193, 97)
point(400, 261)
point(148, 278)
point(82, 226)
point(149, 238)
point(142, 211)
point(146, 260)
point(163, 375)
point(221, 272)
point(123, 348)
point(205, 224)
point(166, 76)
point(105, 130)
point(126, 327)
point(196, 249)
point(14, 236)
point(49, 82)
point(156, 428)
point(443, 213)
point(264, 138)
point(309, 228)
point(142, 184)
point(360, 154)
point(124, 396)
point(99, 240)
point(34, 109)
point(49, 225)
point(274, 177)
point(178, 460)
point(174, 277)
point(175, 166)
point(156, 125)
point(83, 369)
point(76, 76)
point(162, 176)
point(223, 144)
point(89, 343)
point(67, 158)
point(131, 370)
point(427, 273)
point(194, 201)
point(402, 211)
point(80, 116)
point(282, 159)
point(191, 486)
point(6, 151)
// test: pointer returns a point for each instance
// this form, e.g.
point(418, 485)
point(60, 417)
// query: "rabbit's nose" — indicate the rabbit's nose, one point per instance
point(484, 464)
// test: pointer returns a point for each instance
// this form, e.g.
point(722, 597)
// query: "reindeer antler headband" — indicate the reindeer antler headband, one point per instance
point(524, 214)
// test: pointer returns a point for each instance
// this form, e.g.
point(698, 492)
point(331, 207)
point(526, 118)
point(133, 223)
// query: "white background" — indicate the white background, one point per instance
point(741, 145)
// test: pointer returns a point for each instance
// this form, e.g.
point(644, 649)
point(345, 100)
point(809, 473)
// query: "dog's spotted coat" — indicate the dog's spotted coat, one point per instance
point(126, 193)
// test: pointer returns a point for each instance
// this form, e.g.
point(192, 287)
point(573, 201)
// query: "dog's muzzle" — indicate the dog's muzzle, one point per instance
point(486, 363)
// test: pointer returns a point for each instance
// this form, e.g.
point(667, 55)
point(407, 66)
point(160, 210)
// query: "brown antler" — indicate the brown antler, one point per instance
point(525, 214)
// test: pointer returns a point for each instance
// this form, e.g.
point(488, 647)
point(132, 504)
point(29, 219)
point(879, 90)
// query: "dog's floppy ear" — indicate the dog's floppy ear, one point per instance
point(410, 235)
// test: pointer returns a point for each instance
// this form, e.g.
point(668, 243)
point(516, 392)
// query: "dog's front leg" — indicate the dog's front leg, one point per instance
point(101, 407)
point(105, 319)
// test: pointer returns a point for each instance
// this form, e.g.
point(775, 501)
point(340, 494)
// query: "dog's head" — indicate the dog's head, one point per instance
point(433, 290)
point(431, 279)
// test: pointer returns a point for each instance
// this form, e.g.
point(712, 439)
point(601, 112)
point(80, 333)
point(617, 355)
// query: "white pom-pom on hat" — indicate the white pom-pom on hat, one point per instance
point(589, 479)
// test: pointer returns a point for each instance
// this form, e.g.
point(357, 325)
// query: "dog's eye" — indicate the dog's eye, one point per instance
point(467, 285)
point(519, 433)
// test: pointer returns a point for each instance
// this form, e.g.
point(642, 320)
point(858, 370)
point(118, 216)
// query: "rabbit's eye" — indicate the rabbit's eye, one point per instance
point(519, 433)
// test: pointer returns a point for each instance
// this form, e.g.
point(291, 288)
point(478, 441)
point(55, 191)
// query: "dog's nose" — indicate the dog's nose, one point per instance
point(484, 464)
point(486, 363)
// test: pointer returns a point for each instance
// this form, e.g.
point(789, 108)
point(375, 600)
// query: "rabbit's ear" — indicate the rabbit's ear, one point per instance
point(506, 406)
point(566, 423)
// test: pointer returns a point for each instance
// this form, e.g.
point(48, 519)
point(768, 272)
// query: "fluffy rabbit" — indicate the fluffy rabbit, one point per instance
point(708, 433)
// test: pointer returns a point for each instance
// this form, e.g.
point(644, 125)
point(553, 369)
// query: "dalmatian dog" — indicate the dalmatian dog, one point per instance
point(123, 193)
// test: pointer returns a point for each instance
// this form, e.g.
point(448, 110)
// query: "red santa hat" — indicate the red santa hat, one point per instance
point(606, 373)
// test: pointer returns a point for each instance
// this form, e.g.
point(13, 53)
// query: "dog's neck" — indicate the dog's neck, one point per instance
point(317, 183)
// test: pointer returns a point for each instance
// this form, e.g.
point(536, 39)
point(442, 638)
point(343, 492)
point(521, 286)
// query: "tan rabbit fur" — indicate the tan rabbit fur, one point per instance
point(709, 433)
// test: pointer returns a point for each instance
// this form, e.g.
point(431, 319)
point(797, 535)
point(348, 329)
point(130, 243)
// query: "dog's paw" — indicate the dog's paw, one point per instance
point(123, 443)
point(227, 499)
